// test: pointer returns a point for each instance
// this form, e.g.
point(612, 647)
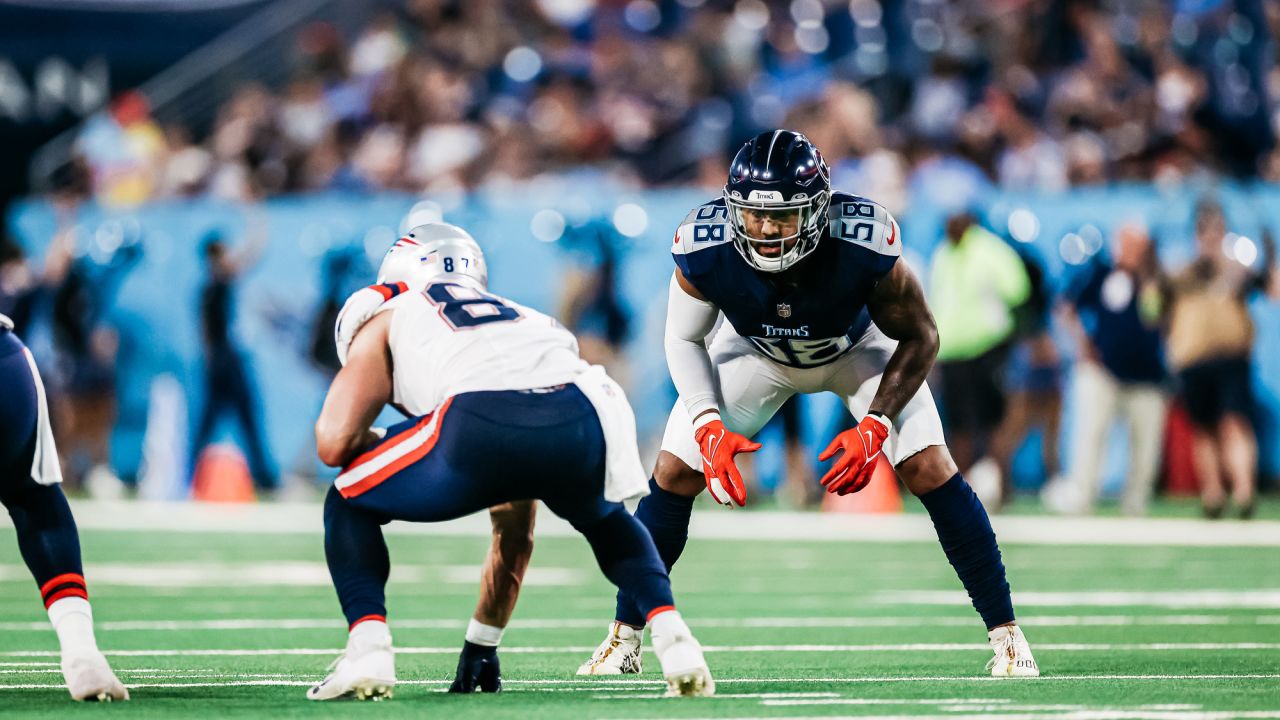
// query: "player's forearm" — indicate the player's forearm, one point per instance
point(509, 556)
point(905, 372)
point(336, 448)
point(691, 372)
point(357, 394)
point(689, 320)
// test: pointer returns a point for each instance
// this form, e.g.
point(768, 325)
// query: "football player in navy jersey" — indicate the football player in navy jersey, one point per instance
point(813, 299)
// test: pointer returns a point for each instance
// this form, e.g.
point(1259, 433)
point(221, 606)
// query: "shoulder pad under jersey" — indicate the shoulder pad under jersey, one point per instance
point(705, 226)
point(865, 223)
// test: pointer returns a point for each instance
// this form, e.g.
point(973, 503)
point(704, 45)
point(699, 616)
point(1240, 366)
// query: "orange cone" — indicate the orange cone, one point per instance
point(222, 475)
point(881, 495)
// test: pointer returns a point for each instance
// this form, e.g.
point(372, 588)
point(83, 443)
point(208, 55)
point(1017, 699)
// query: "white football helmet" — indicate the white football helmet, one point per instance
point(435, 252)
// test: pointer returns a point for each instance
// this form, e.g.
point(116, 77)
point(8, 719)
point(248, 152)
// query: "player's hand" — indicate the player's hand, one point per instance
point(862, 447)
point(478, 669)
point(719, 445)
point(358, 310)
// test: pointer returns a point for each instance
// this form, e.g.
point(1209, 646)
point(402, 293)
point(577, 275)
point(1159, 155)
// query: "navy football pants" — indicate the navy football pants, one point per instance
point(47, 534)
point(483, 449)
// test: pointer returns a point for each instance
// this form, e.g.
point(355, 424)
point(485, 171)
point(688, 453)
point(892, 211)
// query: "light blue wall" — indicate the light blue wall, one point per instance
point(156, 306)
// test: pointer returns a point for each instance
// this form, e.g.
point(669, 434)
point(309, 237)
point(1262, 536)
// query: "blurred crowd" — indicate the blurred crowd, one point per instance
point(912, 101)
point(906, 97)
point(1157, 350)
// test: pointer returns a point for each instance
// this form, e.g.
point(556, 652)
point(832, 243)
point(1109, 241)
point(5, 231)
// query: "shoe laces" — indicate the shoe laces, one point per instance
point(612, 642)
point(336, 662)
point(1006, 647)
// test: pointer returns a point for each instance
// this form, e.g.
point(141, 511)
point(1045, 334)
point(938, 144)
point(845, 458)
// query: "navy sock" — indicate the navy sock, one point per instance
point(666, 516)
point(48, 540)
point(627, 556)
point(357, 557)
point(970, 544)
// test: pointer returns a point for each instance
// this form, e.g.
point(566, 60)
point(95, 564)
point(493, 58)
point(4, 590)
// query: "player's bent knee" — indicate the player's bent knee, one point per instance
point(927, 470)
point(673, 475)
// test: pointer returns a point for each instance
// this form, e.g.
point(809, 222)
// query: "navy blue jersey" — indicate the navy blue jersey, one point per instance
point(813, 312)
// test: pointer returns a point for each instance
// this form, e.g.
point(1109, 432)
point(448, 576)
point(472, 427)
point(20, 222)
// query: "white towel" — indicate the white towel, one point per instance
point(624, 475)
point(45, 469)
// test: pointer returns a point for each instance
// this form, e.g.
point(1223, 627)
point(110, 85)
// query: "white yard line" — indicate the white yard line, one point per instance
point(709, 523)
point(285, 574)
point(1098, 714)
point(816, 622)
point(540, 650)
point(598, 684)
point(1172, 600)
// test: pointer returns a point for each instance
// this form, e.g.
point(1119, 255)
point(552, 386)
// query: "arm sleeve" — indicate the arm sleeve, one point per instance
point(689, 320)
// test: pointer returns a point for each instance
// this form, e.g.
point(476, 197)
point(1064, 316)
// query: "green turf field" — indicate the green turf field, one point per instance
point(238, 624)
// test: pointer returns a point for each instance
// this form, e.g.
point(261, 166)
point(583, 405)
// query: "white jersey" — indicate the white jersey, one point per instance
point(451, 339)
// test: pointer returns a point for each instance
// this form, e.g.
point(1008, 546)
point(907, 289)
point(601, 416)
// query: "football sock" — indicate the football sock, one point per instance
point(72, 620)
point(667, 621)
point(369, 627)
point(666, 516)
point(48, 541)
point(627, 557)
point(964, 530)
point(358, 560)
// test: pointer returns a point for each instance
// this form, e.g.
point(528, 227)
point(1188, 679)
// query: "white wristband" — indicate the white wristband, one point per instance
point(705, 418)
point(882, 420)
point(480, 634)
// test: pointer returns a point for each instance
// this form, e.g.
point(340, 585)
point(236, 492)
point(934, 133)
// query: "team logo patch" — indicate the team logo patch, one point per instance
point(784, 310)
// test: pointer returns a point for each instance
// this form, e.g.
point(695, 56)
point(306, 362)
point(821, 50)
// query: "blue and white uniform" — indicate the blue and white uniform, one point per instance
point(804, 331)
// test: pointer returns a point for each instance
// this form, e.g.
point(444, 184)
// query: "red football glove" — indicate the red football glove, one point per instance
point(719, 445)
point(862, 447)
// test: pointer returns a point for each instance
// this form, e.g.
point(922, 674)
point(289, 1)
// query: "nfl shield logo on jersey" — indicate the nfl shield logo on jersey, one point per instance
point(784, 310)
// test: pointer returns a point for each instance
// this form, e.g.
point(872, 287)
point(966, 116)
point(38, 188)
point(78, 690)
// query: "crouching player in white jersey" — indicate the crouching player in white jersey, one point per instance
point(504, 409)
point(812, 298)
point(30, 490)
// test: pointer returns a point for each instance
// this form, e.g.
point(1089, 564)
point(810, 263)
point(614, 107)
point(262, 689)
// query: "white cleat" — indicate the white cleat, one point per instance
point(680, 655)
point(366, 671)
point(89, 678)
point(1012, 654)
point(619, 654)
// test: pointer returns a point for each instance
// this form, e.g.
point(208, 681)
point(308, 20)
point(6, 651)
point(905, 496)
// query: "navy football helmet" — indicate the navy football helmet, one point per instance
point(777, 196)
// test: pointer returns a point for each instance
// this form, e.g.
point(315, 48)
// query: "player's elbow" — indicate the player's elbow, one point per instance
point(929, 341)
point(333, 445)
